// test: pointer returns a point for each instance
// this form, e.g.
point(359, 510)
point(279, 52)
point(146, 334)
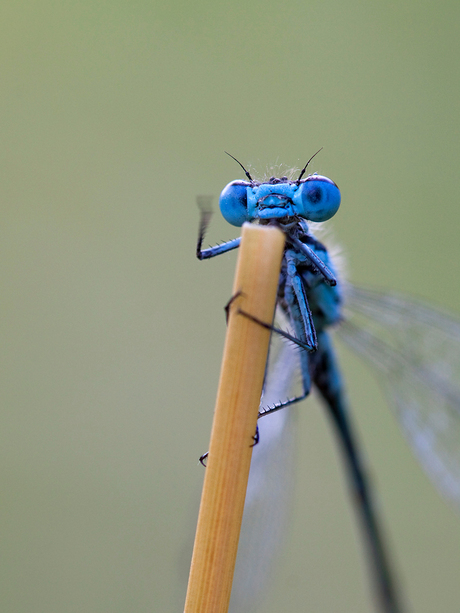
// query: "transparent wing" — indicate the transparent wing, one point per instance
point(269, 495)
point(416, 351)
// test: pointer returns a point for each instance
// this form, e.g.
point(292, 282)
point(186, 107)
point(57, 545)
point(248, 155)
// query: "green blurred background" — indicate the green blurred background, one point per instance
point(114, 117)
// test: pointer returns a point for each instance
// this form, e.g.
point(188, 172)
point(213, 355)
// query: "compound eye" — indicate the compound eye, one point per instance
point(320, 198)
point(233, 203)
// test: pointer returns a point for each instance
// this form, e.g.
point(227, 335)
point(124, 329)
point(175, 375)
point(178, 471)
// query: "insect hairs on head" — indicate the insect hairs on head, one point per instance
point(252, 180)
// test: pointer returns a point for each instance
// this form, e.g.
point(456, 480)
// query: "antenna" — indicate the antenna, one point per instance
point(245, 171)
point(304, 168)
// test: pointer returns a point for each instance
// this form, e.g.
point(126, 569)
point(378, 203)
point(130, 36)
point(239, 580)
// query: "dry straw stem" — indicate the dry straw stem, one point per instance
point(235, 418)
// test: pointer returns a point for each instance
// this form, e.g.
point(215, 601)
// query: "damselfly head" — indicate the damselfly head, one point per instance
point(315, 198)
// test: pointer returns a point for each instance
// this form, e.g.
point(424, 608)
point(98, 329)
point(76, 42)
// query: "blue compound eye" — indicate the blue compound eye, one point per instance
point(320, 198)
point(233, 203)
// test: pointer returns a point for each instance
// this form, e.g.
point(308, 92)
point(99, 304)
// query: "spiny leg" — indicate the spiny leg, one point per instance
point(238, 294)
point(256, 439)
point(282, 333)
point(302, 322)
point(297, 301)
point(204, 204)
point(304, 349)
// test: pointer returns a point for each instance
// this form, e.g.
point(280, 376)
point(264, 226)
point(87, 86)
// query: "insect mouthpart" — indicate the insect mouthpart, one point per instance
point(274, 201)
point(274, 206)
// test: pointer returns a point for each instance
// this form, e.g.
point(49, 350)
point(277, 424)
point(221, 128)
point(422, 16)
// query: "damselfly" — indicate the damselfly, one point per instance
point(414, 346)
